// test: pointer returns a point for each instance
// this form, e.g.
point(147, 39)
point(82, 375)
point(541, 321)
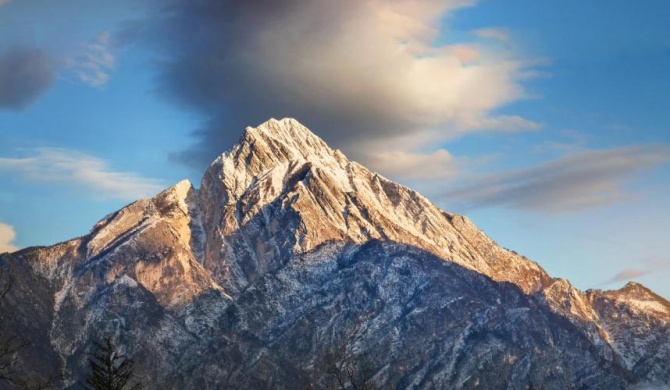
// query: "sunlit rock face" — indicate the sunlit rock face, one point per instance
point(282, 192)
point(291, 258)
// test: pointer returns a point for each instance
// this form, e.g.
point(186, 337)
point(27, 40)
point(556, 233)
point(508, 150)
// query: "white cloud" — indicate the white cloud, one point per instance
point(7, 236)
point(503, 123)
point(357, 72)
point(427, 84)
point(72, 168)
point(95, 61)
point(573, 182)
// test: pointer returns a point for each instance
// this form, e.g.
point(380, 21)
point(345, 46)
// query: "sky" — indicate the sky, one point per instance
point(547, 123)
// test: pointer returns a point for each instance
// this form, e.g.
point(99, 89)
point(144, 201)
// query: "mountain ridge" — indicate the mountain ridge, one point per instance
point(370, 192)
point(288, 251)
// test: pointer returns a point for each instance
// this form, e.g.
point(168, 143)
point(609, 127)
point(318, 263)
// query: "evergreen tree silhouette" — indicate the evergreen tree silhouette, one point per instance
point(110, 370)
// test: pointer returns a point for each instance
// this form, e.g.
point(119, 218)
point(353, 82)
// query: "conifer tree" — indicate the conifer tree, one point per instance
point(110, 370)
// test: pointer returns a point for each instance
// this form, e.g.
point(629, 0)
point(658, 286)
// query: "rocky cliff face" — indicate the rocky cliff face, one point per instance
point(290, 260)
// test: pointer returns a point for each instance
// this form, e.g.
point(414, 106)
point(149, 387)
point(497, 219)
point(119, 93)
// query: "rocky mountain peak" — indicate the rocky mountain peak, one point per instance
point(289, 254)
point(640, 297)
point(281, 171)
point(290, 134)
point(279, 146)
point(633, 288)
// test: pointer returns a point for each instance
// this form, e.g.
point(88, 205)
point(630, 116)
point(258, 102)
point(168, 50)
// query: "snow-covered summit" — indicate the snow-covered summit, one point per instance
point(289, 133)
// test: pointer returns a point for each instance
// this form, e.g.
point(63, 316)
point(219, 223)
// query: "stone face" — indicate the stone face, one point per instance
point(282, 176)
point(637, 323)
point(291, 258)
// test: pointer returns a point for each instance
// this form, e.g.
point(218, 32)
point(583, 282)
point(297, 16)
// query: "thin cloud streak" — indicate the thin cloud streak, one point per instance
point(401, 165)
point(71, 168)
point(7, 236)
point(497, 34)
point(628, 274)
point(320, 62)
point(570, 183)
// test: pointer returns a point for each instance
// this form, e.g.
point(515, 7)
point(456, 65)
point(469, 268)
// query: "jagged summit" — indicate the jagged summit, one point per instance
point(282, 168)
point(290, 133)
point(275, 142)
point(634, 287)
point(638, 297)
point(289, 255)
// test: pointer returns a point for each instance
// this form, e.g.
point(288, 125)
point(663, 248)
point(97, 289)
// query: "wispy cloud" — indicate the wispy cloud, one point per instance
point(25, 74)
point(7, 236)
point(498, 34)
point(502, 123)
point(319, 61)
point(573, 182)
point(402, 165)
point(569, 141)
point(72, 168)
point(94, 63)
point(628, 274)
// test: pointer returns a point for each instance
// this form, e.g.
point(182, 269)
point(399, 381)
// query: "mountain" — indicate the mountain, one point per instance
point(293, 267)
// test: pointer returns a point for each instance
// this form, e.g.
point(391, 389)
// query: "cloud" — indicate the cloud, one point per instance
point(356, 72)
point(402, 165)
point(503, 123)
point(573, 182)
point(94, 62)
point(568, 141)
point(628, 274)
point(498, 34)
point(71, 168)
point(25, 73)
point(7, 236)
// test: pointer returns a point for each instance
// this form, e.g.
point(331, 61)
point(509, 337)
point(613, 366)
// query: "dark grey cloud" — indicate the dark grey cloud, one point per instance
point(354, 71)
point(569, 183)
point(25, 73)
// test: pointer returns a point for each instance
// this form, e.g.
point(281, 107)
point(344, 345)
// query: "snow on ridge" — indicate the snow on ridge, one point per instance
point(646, 305)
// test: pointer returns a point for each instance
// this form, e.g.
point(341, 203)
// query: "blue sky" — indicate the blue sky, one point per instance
point(544, 122)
